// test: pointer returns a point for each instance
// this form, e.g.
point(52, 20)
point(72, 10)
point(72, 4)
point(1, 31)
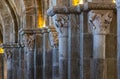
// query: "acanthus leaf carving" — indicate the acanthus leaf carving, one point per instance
point(61, 21)
point(8, 54)
point(29, 41)
point(100, 20)
point(53, 39)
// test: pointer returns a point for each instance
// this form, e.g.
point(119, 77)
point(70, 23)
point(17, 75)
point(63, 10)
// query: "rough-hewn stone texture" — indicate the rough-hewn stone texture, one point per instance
point(77, 42)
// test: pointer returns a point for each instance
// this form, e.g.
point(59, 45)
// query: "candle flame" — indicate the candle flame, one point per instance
point(1, 51)
point(77, 2)
point(41, 20)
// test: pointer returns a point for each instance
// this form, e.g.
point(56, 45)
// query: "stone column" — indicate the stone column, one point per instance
point(74, 46)
point(15, 62)
point(53, 36)
point(118, 37)
point(11, 50)
point(38, 54)
point(8, 56)
point(47, 55)
point(61, 22)
point(21, 73)
point(86, 47)
point(68, 34)
point(104, 56)
point(29, 42)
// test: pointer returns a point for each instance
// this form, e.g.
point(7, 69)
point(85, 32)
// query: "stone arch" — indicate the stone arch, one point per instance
point(9, 33)
point(35, 13)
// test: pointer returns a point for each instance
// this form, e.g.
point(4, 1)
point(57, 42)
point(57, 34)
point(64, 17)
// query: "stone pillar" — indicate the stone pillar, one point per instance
point(8, 55)
point(21, 73)
point(11, 50)
point(86, 47)
point(118, 37)
point(61, 22)
point(68, 35)
point(47, 55)
point(15, 62)
point(74, 46)
point(104, 55)
point(29, 42)
point(38, 55)
point(53, 36)
point(33, 53)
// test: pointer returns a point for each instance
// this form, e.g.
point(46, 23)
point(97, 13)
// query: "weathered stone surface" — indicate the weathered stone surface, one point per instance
point(86, 33)
point(99, 69)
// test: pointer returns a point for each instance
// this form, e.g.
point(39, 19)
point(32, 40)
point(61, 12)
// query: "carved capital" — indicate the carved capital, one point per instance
point(29, 41)
point(100, 21)
point(8, 53)
point(61, 22)
point(53, 36)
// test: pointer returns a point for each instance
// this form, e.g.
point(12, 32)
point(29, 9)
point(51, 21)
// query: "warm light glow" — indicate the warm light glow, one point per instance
point(1, 50)
point(114, 1)
point(41, 21)
point(81, 2)
point(77, 2)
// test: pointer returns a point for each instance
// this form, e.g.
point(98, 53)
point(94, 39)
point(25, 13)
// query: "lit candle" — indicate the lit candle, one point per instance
point(77, 2)
point(41, 22)
point(1, 51)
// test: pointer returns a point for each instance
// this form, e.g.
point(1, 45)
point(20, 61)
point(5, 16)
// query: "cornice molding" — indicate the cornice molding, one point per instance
point(11, 45)
point(30, 31)
point(82, 7)
point(99, 6)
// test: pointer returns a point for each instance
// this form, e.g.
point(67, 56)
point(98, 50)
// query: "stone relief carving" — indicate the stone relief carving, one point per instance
point(100, 20)
point(29, 41)
point(53, 39)
point(61, 21)
point(8, 54)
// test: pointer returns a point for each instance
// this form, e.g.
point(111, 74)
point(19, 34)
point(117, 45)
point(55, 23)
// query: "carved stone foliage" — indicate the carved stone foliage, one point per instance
point(8, 53)
point(100, 20)
point(53, 39)
point(29, 41)
point(61, 21)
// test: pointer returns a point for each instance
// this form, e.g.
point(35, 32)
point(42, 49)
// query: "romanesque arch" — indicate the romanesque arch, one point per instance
point(8, 23)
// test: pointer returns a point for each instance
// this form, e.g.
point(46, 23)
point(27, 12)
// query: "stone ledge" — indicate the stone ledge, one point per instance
point(11, 45)
point(82, 7)
point(99, 6)
point(30, 31)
